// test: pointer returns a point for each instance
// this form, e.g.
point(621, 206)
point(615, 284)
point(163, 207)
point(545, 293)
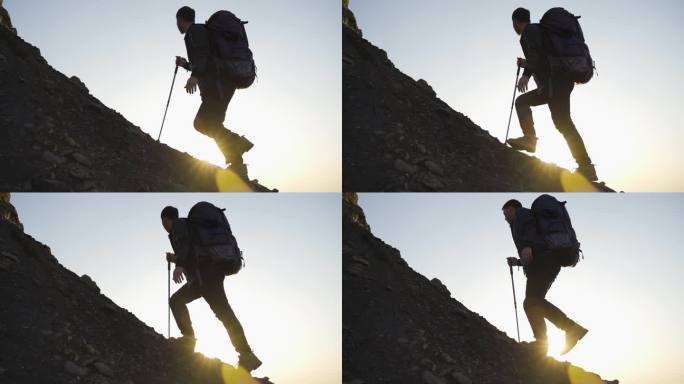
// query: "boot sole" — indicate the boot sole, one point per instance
point(579, 337)
point(519, 148)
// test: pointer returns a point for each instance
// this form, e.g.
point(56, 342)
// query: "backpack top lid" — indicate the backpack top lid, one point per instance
point(560, 21)
point(207, 215)
point(226, 22)
point(546, 205)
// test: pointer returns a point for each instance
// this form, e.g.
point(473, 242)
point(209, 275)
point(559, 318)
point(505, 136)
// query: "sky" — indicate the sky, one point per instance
point(626, 290)
point(629, 114)
point(124, 51)
point(288, 297)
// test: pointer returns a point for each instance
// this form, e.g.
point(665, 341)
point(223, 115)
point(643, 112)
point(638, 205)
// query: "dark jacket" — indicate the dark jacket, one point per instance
point(198, 47)
point(524, 231)
point(525, 234)
point(533, 45)
point(182, 244)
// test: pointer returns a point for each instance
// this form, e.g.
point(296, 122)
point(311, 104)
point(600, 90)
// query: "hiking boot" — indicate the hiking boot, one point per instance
point(185, 342)
point(239, 145)
point(588, 171)
point(238, 166)
point(525, 143)
point(572, 336)
point(249, 361)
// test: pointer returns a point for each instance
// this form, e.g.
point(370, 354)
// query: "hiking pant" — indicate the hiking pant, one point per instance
point(559, 104)
point(210, 287)
point(540, 275)
point(212, 112)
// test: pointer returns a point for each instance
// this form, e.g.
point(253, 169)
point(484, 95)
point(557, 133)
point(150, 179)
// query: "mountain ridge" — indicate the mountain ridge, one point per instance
point(399, 136)
point(57, 327)
point(401, 327)
point(58, 137)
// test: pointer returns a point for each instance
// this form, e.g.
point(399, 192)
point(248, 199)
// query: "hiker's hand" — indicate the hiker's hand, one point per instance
point(526, 256)
point(522, 62)
point(513, 261)
point(191, 85)
point(181, 62)
point(522, 83)
point(178, 273)
point(170, 257)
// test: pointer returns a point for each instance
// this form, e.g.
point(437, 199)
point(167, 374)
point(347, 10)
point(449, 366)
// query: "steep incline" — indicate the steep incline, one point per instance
point(400, 327)
point(399, 136)
point(55, 136)
point(56, 327)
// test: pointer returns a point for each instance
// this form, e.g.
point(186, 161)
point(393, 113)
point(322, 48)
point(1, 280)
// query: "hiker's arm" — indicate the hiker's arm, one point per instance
point(535, 51)
point(182, 234)
point(199, 54)
point(528, 233)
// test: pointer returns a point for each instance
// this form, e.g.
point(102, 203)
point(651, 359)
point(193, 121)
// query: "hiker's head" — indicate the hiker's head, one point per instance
point(168, 216)
point(521, 17)
point(185, 17)
point(509, 209)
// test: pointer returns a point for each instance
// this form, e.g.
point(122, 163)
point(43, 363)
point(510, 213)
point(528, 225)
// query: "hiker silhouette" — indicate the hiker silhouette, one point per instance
point(541, 266)
point(205, 268)
point(554, 82)
point(217, 76)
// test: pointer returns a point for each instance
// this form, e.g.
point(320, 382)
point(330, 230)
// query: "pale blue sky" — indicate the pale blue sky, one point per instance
point(629, 115)
point(124, 52)
point(288, 297)
point(626, 291)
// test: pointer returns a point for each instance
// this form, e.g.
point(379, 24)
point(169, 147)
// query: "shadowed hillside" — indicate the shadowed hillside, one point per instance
point(58, 137)
point(56, 327)
point(400, 327)
point(399, 136)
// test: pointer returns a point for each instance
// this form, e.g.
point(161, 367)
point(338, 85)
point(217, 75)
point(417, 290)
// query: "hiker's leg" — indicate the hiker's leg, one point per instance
point(547, 276)
point(179, 306)
point(215, 295)
point(212, 113)
point(560, 114)
point(534, 295)
point(523, 107)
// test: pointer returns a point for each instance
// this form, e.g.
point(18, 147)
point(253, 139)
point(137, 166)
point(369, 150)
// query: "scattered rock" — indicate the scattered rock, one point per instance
point(80, 173)
point(460, 378)
point(430, 378)
point(89, 282)
point(104, 369)
point(52, 158)
point(81, 158)
point(405, 167)
point(75, 369)
point(434, 167)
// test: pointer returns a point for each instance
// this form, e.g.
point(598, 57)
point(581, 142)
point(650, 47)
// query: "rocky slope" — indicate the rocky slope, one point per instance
point(400, 327)
point(56, 327)
point(399, 136)
point(58, 137)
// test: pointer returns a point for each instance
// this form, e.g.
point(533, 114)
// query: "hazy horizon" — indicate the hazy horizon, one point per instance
point(626, 290)
point(287, 297)
point(124, 51)
point(628, 115)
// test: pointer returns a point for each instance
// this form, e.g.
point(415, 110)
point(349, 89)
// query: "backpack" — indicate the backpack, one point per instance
point(568, 53)
point(555, 229)
point(212, 239)
point(230, 49)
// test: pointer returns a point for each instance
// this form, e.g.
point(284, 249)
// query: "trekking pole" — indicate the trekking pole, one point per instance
point(515, 88)
point(168, 301)
point(515, 303)
point(167, 103)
